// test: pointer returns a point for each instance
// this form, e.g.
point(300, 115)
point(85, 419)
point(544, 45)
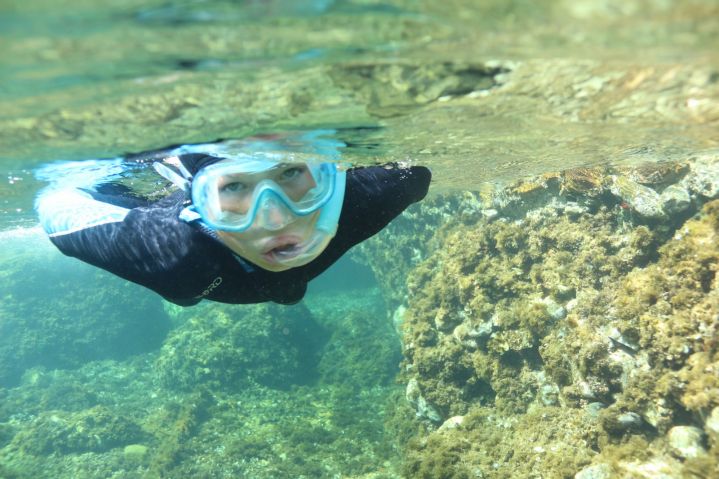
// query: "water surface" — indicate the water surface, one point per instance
point(483, 92)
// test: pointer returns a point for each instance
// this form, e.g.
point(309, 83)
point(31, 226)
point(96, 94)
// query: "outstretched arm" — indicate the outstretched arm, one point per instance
point(145, 245)
point(378, 194)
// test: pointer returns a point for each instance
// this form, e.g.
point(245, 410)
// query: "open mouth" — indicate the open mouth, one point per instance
point(286, 250)
point(283, 249)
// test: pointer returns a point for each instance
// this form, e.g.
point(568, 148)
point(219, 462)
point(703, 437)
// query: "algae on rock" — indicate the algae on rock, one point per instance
point(227, 346)
point(64, 325)
point(575, 298)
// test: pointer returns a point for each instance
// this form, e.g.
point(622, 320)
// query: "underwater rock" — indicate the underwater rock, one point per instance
point(228, 345)
point(656, 468)
point(594, 408)
point(548, 392)
point(658, 415)
point(595, 471)
point(472, 335)
point(59, 313)
point(712, 426)
point(362, 351)
point(405, 242)
point(393, 89)
point(398, 318)
point(512, 340)
point(675, 199)
point(703, 179)
point(621, 422)
point(555, 310)
point(96, 429)
point(490, 214)
point(686, 442)
point(423, 408)
point(7, 432)
point(548, 306)
point(495, 270)
point(135, 453)
point(642, 199)
point(444, 319)
point(523, 197)
point(587, 182)
point(656, 175)
point(542, 443)
point(452, 423)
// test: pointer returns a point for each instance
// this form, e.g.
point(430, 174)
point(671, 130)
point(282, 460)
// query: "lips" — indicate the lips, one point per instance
point(282, 247)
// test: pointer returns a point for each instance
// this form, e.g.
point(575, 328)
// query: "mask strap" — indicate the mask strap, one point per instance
point(188, 214)
point(181, 166)
point(180, 180)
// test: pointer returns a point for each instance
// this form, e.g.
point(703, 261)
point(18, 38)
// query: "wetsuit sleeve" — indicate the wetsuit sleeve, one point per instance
point(376, 195)
point(145, 245)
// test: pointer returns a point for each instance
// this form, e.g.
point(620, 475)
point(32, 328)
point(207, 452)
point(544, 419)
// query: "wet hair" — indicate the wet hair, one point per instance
point(194, 162)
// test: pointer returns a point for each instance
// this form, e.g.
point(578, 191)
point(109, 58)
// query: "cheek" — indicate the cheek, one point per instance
point(241, 244)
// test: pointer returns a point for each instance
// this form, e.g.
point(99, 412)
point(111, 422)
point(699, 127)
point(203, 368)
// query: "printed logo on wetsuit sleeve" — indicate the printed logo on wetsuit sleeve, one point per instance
point(212, 286)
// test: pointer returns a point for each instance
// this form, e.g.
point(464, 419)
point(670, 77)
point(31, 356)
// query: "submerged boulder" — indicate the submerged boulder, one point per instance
point(596, 305)
point(96, 429)
point(57, 312)
point(226, 346)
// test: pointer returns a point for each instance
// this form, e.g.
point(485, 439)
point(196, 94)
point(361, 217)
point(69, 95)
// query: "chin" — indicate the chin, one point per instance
point(274, 268)
point(278, 251)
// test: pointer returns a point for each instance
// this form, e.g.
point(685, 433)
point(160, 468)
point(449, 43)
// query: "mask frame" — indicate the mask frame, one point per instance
point(206, 203)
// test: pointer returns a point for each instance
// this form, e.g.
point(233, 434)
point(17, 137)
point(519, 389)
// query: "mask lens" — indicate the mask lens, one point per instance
point(272, 214)
point(229, 198)
point(234, 193)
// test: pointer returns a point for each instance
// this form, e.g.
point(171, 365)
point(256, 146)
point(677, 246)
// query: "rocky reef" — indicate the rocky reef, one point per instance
point(259, 391)
point(226, 347)
point(563, 325)
point(58, 313)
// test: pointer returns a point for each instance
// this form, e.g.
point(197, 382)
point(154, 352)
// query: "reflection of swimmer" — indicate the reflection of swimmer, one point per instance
point(246, 228)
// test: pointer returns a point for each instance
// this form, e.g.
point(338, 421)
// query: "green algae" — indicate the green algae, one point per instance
point(565, 299)
point(183, 420)
point(505, 287)
point(544, 340)
point(61, 324)
point(554, 444)
point(227, 424)
point(230, 347)
point(551, 334)
point(95, 429)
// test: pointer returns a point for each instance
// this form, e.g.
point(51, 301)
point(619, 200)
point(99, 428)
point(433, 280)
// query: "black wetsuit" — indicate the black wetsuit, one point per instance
point(184, 262)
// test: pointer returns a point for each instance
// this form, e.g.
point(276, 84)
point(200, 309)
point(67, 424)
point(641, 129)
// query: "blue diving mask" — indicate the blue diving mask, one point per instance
point(266, 189)
point(263, 189)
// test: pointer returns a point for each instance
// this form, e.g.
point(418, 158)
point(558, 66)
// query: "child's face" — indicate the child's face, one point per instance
point(264, 215)
point(291, 246)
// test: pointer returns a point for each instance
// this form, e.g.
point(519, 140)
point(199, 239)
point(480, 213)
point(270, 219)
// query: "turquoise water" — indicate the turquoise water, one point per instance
point(100, 378)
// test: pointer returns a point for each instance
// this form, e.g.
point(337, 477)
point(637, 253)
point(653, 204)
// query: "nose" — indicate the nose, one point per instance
point(273, 214)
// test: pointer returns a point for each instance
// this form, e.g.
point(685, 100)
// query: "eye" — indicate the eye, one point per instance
point(291, 173)
point(233, 187)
